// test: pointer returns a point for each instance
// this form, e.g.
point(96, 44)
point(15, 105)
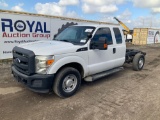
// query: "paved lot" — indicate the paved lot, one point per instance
point(127, 95)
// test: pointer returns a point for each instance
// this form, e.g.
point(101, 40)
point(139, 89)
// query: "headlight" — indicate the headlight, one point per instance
point(42, 63)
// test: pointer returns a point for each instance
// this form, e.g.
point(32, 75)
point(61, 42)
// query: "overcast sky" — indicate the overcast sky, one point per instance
point(134, 13)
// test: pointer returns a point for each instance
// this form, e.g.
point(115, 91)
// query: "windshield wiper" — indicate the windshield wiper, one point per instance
point(55, 39)
point(65, 40)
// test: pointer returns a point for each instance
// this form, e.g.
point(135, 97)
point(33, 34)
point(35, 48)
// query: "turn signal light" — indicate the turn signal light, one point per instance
point(49, 62)
point(105, 46)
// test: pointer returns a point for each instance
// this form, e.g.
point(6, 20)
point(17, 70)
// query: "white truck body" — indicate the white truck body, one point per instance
point(79, 52)
point(93, 61)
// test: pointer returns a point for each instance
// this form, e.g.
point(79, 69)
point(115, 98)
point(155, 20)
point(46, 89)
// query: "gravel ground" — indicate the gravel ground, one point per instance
point(126, 95)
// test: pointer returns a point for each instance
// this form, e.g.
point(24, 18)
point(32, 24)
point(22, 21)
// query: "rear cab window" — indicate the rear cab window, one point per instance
point(118, 35)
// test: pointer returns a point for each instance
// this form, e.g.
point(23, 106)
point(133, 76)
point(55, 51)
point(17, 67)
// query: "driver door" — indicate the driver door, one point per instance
point(102, 60)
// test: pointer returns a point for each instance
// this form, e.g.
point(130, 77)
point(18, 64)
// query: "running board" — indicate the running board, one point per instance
point(102, 74)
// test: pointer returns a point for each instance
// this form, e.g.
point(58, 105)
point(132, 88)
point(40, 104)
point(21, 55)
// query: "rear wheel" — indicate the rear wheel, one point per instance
point(138, 62)
point(67, 82)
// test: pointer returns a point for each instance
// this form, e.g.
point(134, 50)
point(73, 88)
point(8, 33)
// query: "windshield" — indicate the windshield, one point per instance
point(75, 34)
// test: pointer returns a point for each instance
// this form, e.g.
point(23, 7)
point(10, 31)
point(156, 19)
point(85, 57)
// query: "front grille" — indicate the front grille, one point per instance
point(24, 60)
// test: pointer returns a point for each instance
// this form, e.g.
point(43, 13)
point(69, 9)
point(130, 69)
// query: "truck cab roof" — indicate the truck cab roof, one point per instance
point(94, 25)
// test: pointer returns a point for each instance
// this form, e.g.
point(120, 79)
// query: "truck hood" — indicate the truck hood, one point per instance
point(50, 47)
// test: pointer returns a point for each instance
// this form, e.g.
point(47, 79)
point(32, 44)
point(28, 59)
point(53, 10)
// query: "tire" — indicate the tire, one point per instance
point(138, 62)
point(67, 82)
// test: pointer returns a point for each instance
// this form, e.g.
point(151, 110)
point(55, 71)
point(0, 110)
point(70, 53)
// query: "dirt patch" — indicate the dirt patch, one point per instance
point(138, 76)
point(155, 62)
point(4, 91)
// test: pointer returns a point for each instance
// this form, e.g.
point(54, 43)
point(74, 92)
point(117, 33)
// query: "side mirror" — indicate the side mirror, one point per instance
point(101, 44)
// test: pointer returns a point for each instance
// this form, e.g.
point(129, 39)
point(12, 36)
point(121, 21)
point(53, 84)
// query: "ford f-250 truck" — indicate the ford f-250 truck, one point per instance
point(78, 53)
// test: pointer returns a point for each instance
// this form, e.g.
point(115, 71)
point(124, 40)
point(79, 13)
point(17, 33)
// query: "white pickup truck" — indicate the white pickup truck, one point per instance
point(78, 53)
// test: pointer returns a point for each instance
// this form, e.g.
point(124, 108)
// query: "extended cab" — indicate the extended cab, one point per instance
point(78, 53)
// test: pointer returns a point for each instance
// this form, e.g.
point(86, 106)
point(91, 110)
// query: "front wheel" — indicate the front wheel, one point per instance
point(67, 82)
point(138, 62)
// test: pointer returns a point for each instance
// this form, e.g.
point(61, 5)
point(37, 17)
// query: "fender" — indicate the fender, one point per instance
point(66, 60)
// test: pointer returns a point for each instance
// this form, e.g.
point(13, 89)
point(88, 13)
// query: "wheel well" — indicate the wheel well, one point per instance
point(74, 65)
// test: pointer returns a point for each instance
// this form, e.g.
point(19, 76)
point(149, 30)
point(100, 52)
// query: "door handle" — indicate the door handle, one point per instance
point(114, 50)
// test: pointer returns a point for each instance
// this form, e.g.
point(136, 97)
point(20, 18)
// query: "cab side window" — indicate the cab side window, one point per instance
point(103, 32)
point(118, 35)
